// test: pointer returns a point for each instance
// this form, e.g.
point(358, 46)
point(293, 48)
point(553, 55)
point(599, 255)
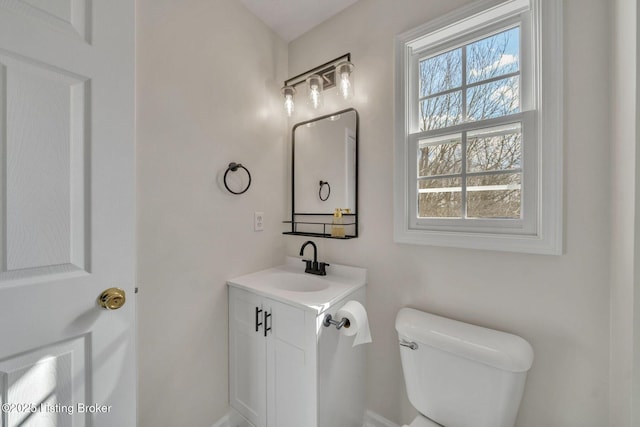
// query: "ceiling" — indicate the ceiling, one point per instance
point(292, 18)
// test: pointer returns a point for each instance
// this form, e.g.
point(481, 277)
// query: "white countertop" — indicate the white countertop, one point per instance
point(289, 283)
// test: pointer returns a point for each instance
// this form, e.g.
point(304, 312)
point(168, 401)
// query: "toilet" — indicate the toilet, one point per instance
point(461, 375)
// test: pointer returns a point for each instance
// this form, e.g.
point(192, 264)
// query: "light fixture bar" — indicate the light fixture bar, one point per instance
point(326, 71)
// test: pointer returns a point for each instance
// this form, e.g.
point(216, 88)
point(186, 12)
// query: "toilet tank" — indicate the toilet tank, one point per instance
point(462, 375)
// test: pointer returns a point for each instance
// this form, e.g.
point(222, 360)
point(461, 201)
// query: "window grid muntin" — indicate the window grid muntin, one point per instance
point(445, 91)
point(498, 200)
point(451, 139)
point(466, 38)
point(505, 122)
point(471, 85)
point(505, 29)
point(463, 88)
point(462, 43)
point(483, 132)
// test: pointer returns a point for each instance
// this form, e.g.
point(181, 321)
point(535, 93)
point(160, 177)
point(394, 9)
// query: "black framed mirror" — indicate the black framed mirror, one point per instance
point(324, 171)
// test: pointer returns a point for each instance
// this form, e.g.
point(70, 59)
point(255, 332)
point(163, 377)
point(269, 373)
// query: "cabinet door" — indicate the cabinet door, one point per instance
point(247, 379)
point(291, 367)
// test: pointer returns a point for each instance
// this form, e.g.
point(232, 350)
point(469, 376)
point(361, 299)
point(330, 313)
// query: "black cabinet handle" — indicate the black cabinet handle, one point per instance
point(266, 317)
point(258, 324)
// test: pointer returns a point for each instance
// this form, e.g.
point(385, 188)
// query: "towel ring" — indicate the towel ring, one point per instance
point(322, 184)
point(233, 167)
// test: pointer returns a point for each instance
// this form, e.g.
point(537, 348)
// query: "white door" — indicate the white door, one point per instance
point(67, 194)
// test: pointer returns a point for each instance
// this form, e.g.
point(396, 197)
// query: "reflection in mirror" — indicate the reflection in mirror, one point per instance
point(325, 169)
point(324, 164)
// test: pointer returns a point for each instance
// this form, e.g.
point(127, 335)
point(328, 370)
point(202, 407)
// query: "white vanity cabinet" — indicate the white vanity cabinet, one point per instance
point(272, 360)
point(285, 368)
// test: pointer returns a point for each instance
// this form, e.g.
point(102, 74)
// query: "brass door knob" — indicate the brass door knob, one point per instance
point(112, 299)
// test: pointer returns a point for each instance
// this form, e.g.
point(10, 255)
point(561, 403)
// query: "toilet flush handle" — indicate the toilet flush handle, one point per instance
point(412, 345)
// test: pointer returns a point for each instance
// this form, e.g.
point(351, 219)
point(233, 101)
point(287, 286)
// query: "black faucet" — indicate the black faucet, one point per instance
point(313, 267)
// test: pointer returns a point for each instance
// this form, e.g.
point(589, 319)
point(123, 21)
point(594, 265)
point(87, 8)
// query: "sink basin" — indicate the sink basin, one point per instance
point(298, 282)
point(289, 283)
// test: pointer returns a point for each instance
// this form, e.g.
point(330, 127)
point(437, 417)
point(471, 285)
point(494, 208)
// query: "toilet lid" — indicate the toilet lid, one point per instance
point(422, 421)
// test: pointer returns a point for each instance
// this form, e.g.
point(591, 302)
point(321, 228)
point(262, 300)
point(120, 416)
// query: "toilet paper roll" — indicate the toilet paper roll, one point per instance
point(358, 322)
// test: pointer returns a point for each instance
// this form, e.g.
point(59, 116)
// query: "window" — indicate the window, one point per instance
point(475, 172)
point(479, 136)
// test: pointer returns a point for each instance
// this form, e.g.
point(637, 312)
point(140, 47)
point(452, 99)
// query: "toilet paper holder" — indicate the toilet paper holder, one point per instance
point(328, 321)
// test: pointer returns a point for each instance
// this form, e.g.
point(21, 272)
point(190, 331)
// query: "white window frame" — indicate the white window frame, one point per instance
point(540, 229)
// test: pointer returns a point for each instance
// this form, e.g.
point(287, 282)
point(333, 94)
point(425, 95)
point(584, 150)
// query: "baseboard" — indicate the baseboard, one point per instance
point(222, 422)
point(371, 419)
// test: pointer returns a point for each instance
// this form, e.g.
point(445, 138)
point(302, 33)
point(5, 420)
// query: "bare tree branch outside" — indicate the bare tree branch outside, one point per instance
point(471, 83)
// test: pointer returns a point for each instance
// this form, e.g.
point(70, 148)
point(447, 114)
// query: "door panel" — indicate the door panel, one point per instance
point(291, 368)
point(45, 168)
point(68, 16)
point(291, 406)
point(247, 388)
point(67, 193)
point(48, 380)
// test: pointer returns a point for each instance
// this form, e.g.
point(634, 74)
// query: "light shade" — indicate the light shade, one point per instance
point(344, 79)
point(288, 92)
point(314, 90)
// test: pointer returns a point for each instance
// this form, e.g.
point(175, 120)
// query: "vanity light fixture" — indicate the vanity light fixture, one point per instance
point(314, 90)
point(335, 73)
point(289, 105)
point(345, 83)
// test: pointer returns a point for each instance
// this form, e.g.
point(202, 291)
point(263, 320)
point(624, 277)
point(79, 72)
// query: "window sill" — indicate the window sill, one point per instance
point(530, 244)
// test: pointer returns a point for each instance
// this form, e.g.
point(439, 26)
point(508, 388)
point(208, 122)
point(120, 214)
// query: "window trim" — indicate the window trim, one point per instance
point(545, 234)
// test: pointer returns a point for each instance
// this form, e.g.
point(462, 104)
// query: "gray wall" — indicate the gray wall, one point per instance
point(208, 80)
point(560, 304)
point(208, 93)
